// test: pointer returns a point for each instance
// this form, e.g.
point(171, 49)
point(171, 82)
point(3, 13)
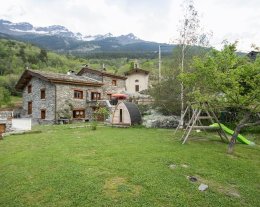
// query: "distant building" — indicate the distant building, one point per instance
point(252, 55)
point(137, 80)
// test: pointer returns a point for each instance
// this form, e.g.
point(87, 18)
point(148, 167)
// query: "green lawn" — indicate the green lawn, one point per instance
point(124, 167)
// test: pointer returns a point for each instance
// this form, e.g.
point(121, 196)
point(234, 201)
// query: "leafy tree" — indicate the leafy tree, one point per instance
point(43, 55)
point(22, 54)
point(167, 93)
point(166, 96)
point(132, 65)
point(101, 112)
point(5, 98)
point(9, 83)
point(190, 34)
point(225, 79)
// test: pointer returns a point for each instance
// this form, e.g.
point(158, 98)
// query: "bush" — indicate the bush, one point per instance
point(5, 97)
point(94, 125)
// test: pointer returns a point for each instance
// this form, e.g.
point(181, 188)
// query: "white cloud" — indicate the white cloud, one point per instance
point(154, 20)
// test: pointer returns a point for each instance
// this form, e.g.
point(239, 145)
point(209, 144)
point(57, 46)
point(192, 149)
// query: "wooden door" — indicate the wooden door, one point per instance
point(29, 107)
point(137, 88)
point(43, 114)
point(121, 116)
point(2, 128)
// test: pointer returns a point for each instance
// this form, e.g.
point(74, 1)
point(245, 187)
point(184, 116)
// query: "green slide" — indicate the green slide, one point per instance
point(240, 138)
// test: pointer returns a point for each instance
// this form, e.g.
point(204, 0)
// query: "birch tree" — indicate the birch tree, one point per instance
point(190, 34)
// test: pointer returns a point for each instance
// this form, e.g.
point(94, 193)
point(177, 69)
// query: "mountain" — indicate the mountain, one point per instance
point(60, 39)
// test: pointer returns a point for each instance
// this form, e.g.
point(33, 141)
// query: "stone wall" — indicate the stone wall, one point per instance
point(6, 119)
point(6, 114)
point(65, 98)
point(92, 75)
point(37, 103)
point(108, 88)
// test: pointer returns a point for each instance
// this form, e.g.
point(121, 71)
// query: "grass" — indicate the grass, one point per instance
point(65, 166)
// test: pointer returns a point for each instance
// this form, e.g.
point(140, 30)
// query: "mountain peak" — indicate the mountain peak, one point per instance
point(132, 36)
point(59, 38)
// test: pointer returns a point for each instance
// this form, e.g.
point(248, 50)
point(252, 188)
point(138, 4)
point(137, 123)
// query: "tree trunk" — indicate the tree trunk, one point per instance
point(182, 88)
point(237, 130)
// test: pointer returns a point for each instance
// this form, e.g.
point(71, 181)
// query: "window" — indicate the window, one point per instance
point(78, 114)
point(42, 93)
point(29, 107)
point(136, 81)
point(78, 94)
point(136, 88)
point(43, 114)
point(29, 88)
point(95, 96)
point(113, 82)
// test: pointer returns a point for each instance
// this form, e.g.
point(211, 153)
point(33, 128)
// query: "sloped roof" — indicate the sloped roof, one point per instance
point(101, 73)
point(136, 70)
point(134, 112)
point(55, 78)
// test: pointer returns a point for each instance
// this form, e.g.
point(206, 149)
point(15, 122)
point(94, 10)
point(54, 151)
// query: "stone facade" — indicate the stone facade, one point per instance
point(93, 75)
point(112, 84)
point(39, 104)
point(6, 114)
point(6, 119)
point(66, 100)
point(66, 96)
point(59, 98)
point(109, 88)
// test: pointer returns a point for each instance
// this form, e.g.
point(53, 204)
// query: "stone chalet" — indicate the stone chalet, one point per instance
point(51, 97)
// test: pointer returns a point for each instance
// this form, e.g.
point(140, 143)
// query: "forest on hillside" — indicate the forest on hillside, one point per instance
point(16, 56)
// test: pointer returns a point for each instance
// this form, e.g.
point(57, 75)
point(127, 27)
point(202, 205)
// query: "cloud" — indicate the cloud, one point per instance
point(153, 20)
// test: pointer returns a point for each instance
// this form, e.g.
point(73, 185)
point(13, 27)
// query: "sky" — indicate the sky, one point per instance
point(151, 20)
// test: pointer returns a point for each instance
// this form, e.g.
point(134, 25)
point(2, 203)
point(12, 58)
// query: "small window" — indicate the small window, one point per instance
point(29, 107)
point(136, 81)
point(43, 114)
point(78, 114)
point(113, 82)
point(95, 96)
point(29, 88)
point(78, 94)
point(42, 93)
point(136, 88)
